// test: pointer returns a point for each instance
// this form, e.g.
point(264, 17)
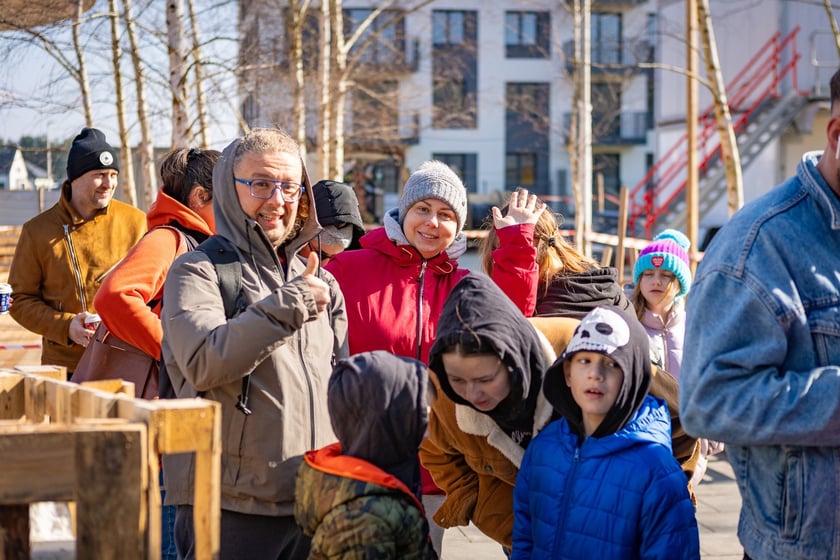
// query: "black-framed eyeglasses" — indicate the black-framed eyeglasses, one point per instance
point(264, 188)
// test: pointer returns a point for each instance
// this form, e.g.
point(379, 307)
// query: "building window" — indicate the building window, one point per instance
point(454, 69)
point(375, 112)
point(527, 119)
point(606, 38)
point(520, 170)
point(464, 165)
point(527, 34)
point(606, 112)
point(383, 41)
point(609, 167)
point(448, 27)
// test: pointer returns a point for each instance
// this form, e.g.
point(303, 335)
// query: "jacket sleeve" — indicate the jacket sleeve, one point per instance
point(338, 317)
point(668, 523)
point(450, 472)
point(485, 500)
point(210, 350)
point(523, 544)
point(685, 448)
point(734, 385)
point(26, 276)
point(515, 268)
point(122, 299)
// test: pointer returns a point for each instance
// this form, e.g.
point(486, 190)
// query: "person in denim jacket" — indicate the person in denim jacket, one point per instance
point(762, 372)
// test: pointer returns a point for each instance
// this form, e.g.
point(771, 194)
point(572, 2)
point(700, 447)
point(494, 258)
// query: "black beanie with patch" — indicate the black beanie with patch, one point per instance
point(90, 151)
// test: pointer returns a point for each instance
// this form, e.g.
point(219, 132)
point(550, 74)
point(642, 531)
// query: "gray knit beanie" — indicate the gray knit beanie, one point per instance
point(435, 179)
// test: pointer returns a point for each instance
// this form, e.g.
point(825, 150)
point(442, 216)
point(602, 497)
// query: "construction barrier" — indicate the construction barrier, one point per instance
point(97, 446)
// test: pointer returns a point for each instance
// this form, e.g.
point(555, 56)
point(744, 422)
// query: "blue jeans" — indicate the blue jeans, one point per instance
point(167, 530)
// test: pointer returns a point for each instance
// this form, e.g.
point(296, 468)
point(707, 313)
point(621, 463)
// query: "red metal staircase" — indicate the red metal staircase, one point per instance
point(760, 111)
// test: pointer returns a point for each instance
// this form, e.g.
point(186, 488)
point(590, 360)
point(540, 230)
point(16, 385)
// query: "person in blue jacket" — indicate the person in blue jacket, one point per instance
point(601, 481)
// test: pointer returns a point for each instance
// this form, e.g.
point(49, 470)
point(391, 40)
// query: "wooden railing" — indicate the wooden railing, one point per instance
point(97, 446)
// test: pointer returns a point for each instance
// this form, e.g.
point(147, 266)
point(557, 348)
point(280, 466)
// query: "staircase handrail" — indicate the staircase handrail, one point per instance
point(739, 126)
point(743, 88)
point(739, 92)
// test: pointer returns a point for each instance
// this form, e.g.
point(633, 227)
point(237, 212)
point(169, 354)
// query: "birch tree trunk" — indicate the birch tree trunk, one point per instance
point(177, 73)
point(834, 30)
point(338, 90)
point(574, 127)
point(127, 172)
point(84, 84)
point(148, 174)
point(325, 125)
point(297, 17)
point(200, 98)
point(729, 152)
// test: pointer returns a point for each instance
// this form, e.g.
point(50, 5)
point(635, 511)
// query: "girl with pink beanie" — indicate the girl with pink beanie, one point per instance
point(662, 276)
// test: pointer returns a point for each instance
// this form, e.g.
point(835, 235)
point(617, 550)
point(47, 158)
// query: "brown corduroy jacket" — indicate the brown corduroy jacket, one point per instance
point(60, 261)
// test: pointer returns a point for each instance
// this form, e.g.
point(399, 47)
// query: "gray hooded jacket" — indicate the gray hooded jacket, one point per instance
point(279, 339)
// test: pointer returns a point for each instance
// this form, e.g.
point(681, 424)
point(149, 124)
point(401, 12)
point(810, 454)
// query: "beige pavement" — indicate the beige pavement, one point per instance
point(718, 501)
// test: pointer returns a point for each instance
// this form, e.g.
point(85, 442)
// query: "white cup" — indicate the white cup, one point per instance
point(92, 321)
point(5, 294)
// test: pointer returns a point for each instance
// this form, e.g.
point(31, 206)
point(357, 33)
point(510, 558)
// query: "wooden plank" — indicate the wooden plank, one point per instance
point(58, 373)
point(207, 498)
point(12, 397)
point(14, 532)
point(37, 463)
point(606, 256)
point(111, 386)
point(62, 402)
point(110, 463)
point(35, 400)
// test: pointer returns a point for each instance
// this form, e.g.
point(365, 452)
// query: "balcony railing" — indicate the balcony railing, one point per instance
point(630, 128)
point(613, 59)
point(391, 60)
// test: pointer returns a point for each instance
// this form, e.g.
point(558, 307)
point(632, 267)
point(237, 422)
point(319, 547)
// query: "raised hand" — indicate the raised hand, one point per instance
point(522, 209)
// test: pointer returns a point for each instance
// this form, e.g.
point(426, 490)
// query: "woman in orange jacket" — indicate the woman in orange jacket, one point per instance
point(129, 299)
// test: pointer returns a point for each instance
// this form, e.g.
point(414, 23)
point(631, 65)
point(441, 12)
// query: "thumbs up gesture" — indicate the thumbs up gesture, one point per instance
point(320, 290)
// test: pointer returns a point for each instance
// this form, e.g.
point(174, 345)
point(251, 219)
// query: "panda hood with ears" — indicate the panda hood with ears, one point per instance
point(614, 332)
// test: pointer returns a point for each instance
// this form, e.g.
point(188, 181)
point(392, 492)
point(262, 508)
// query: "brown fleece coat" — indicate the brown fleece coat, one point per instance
point(473, 460)
point(60, 261)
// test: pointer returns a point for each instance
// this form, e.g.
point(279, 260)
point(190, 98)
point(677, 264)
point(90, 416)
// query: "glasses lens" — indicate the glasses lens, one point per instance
point(291, 191)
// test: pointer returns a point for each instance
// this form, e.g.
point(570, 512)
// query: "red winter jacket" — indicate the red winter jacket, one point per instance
point(388, 306)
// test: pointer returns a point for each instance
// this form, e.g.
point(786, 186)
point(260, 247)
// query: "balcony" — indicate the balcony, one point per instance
point(628, 129)
point(606, 5)
point(613, 59)
point(392, 59)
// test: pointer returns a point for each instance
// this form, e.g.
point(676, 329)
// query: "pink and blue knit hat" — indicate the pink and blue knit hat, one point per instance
point(668, 251)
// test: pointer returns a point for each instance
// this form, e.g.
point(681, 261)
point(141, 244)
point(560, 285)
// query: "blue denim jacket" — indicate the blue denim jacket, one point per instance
point(761, 368)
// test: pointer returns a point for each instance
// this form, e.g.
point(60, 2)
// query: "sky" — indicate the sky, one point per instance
point(38, 98)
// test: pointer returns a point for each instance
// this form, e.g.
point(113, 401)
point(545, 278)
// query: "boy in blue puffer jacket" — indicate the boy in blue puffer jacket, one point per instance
point(601, 481)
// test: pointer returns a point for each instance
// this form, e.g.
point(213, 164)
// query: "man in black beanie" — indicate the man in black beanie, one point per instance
point(64, 253)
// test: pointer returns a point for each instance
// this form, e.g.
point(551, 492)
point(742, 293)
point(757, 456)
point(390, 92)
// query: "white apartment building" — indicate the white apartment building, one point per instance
point(486, 86)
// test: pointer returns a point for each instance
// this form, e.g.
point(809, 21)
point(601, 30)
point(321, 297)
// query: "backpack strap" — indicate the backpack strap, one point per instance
point(229, 270)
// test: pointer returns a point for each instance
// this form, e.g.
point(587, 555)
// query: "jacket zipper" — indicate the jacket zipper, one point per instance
point(564, 507)
point(75, 262)
point(420, 309)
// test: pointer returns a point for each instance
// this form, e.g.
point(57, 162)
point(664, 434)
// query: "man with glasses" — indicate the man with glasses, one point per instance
point(268, 365)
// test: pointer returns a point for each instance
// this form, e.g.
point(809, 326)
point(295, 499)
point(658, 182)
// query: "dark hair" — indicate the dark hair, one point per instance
point(183, 168)
point(835, 89)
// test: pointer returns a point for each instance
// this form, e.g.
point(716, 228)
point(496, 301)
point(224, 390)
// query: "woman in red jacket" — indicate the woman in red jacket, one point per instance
point(395, 286)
